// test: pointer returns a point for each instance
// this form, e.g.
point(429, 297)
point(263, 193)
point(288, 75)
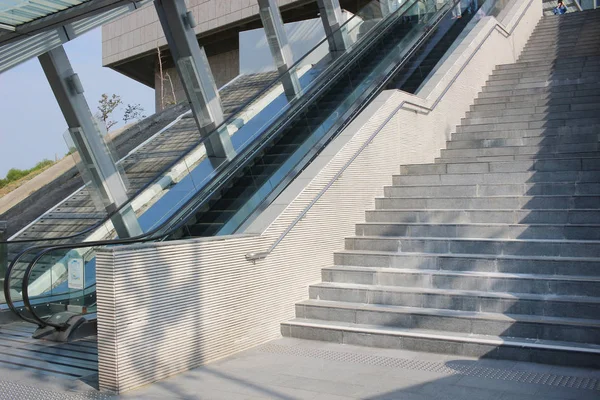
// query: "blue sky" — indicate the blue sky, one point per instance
point(31, 124)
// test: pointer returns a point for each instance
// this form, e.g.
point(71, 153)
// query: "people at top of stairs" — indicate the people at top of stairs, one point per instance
point(560, 9)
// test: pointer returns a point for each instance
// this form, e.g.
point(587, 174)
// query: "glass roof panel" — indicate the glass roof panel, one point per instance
point(16, 12)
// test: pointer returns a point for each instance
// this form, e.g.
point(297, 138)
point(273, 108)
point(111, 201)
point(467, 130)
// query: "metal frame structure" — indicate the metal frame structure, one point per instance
point(331, 15)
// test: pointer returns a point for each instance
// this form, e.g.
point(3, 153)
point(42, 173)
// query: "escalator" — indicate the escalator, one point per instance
point(272, 149)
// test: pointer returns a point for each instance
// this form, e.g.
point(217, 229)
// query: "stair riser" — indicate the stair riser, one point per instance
point(483, 217)
point(498, 178)
point(543, 99)
point(555, 232)
point(567, 44)
point(524, 142)
point(464, 263)
point(554, 83)
point(563, 54)
point(516, 157)
point(522, 150)
point(537, 285)
point(556, 357)
point(530, 110)
point(545, 92)
point(588, 115)
point(541, 74)
point(527, 189)
point(452, 324)
point(573, 62)
point(575, 164)
point(467, 203)
point(461, 302)
point(451, 246)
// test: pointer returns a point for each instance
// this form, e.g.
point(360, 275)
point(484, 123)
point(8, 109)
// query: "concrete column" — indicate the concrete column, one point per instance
point(197, 79)
point(331, 15)
point(86, 135)
point(279, 46)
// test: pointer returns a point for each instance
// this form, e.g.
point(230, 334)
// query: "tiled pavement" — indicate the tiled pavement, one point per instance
point(287, 369)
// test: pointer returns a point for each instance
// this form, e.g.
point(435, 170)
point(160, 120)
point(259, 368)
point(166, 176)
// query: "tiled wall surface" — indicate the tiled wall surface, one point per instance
point(140, 31)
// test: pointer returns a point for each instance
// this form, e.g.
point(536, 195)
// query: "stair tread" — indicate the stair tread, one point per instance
point(477, 274)
point(460, 292)
point(450, 336)
point(468, 255)
point(440, 238)
point(439, 312)
point(479, 224)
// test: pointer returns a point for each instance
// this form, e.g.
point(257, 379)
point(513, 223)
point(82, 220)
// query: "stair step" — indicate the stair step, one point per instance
point(439, 201)
point(537, 93)
point(478, 323)
point(510, 216)
point(559, 150)
point(535, 193)
point(547, 118)
point(480, 230)
point(523, 142)
point(500, 263)
point(515, 157)
point(558, 164)
point(579, 307)
point(525, 100)
point(566, 133)
point(535, 112)
point(488, 346)
point(532, 83)
point(492, 178)
point(566, 62)
point(444, 245)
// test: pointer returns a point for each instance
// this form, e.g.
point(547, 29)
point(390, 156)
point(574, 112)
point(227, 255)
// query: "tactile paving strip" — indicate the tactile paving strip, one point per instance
point(13, 391)
point(449, 368)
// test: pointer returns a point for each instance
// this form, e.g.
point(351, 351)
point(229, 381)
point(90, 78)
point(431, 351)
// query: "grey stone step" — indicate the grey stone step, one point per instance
point(572, 90)
point(537, 120)
point(517, 247)
point(541, 73)
point(530, 83)
point(513, 325)
point(556, 285)
point(480, 230)
point(435, 341)
point(546, 70)
point(497, 178)
point(530, 56)
point(459, 216)
point(443, 200)
point(538, 99)
point(584, 61)
point(484, 263)
point(514, 157)
point(458, 299)
point(560, 44)
point(558, 164)
point(558, 150)
point(564, 131)
point(534, 110)
point(525, 142)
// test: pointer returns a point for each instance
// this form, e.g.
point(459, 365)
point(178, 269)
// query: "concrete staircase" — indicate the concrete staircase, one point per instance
point(494, 249)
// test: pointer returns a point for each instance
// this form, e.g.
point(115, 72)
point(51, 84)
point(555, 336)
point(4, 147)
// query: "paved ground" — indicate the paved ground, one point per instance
point(289, 369)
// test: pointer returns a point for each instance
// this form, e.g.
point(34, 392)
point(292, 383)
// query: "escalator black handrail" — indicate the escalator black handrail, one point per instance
point(149, 236)
point(275, 81)
point(182, 221)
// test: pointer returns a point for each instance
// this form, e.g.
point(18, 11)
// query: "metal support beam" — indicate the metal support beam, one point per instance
point(279, 46)
point(197, 79)
point(86, 135)
point(331, 15)
point(3, 249)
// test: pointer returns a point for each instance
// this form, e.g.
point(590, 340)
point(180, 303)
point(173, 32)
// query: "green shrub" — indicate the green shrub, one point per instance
point(15, 174)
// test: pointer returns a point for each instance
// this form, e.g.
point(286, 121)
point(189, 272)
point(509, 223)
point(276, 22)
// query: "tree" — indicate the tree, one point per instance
point(165, 100)
point(133, 112)
point(106, 107)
